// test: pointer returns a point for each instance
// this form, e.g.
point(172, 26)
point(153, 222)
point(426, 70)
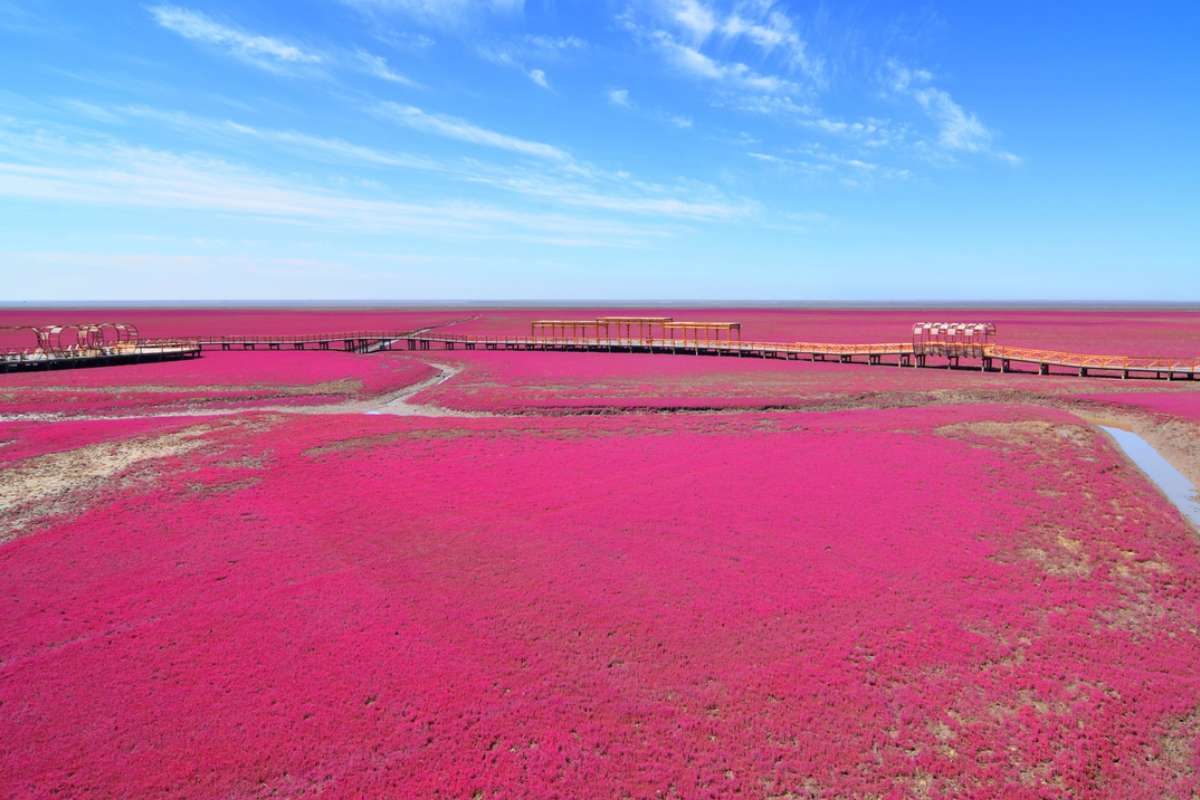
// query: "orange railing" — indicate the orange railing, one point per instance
point(1091, 360)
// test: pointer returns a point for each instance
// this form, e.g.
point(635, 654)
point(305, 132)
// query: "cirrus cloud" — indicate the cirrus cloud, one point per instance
point(266, 52)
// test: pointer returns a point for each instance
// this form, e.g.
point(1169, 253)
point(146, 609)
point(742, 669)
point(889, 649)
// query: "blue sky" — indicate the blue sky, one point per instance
point(632, 149)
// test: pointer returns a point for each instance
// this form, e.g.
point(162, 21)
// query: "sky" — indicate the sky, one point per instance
point(714, 150)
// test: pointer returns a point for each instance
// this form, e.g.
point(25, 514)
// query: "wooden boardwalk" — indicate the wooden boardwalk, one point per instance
point(988, 357)
point(32, 360)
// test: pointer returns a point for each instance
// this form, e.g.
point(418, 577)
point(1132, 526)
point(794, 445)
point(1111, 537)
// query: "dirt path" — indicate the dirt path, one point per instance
point(395, 403)
point(1177, 440)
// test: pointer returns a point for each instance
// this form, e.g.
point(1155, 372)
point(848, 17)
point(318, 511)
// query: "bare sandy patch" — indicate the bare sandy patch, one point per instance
point(1177, 747)
point(1024, 433)
point(353, 443)
point(224, 487)
point(52, 484)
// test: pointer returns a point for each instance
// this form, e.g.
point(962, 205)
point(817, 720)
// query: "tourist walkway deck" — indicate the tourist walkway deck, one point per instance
point(933, 344)
point(166, 350)
point(988, 357)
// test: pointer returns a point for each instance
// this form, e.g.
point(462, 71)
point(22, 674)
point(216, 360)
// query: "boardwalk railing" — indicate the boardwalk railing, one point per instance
point(122, 352)
point(1093, 361)
point(988, 357)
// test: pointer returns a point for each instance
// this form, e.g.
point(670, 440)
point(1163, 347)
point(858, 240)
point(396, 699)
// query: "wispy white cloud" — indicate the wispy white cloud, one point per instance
point(816, 160)
point(463, 131)
point(548, 45)
point(180, 268)
point(271, 53)
point(694, 17)
point(733, 74)
point(619, 98)
point(317, 148)
point(872, 132)
point(440, 13)
point(861, 166)
point(681, 30)
point(404, 41)
point(564, 183)
point(517, 53)
point(338, 150)
point(769, 105)
point(627, 196)
point(771, 31)
point(91, 111)
point(262, 51)
point(507, 58)
point(958, 129)
point(377, 66)
point(112, 174)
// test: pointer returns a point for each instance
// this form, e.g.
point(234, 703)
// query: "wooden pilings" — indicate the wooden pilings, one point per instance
point(656, 335)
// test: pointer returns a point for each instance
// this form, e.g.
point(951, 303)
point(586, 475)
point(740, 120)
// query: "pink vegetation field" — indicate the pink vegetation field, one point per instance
point(218, 380)
point(573, 382)
point(899, 583)
point(1165, 332)
point(1181, 404)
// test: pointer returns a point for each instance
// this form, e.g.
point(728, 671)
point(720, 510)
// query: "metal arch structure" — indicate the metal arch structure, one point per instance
point(60, 338)
point(84, 336)
point(953, 339)
point(79, 344)
point(102, 335)
point(116, 334)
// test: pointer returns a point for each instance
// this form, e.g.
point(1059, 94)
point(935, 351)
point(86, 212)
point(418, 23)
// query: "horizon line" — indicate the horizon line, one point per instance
point(208, 303)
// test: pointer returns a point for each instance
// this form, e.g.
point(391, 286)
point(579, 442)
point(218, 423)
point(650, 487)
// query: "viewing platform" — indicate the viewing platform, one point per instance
point(98, 357)
point(65, 346)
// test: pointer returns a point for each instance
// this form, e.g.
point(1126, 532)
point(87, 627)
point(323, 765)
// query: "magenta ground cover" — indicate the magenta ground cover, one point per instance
point(216, 380)
point(869, 602)
point(1166, 332)
point(1184, 403)
point(925, 583)
point(498, 381)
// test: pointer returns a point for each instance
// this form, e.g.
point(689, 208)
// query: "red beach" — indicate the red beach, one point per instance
point(290, 572)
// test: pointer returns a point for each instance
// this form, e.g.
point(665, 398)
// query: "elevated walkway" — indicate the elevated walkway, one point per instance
point(986, 357)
